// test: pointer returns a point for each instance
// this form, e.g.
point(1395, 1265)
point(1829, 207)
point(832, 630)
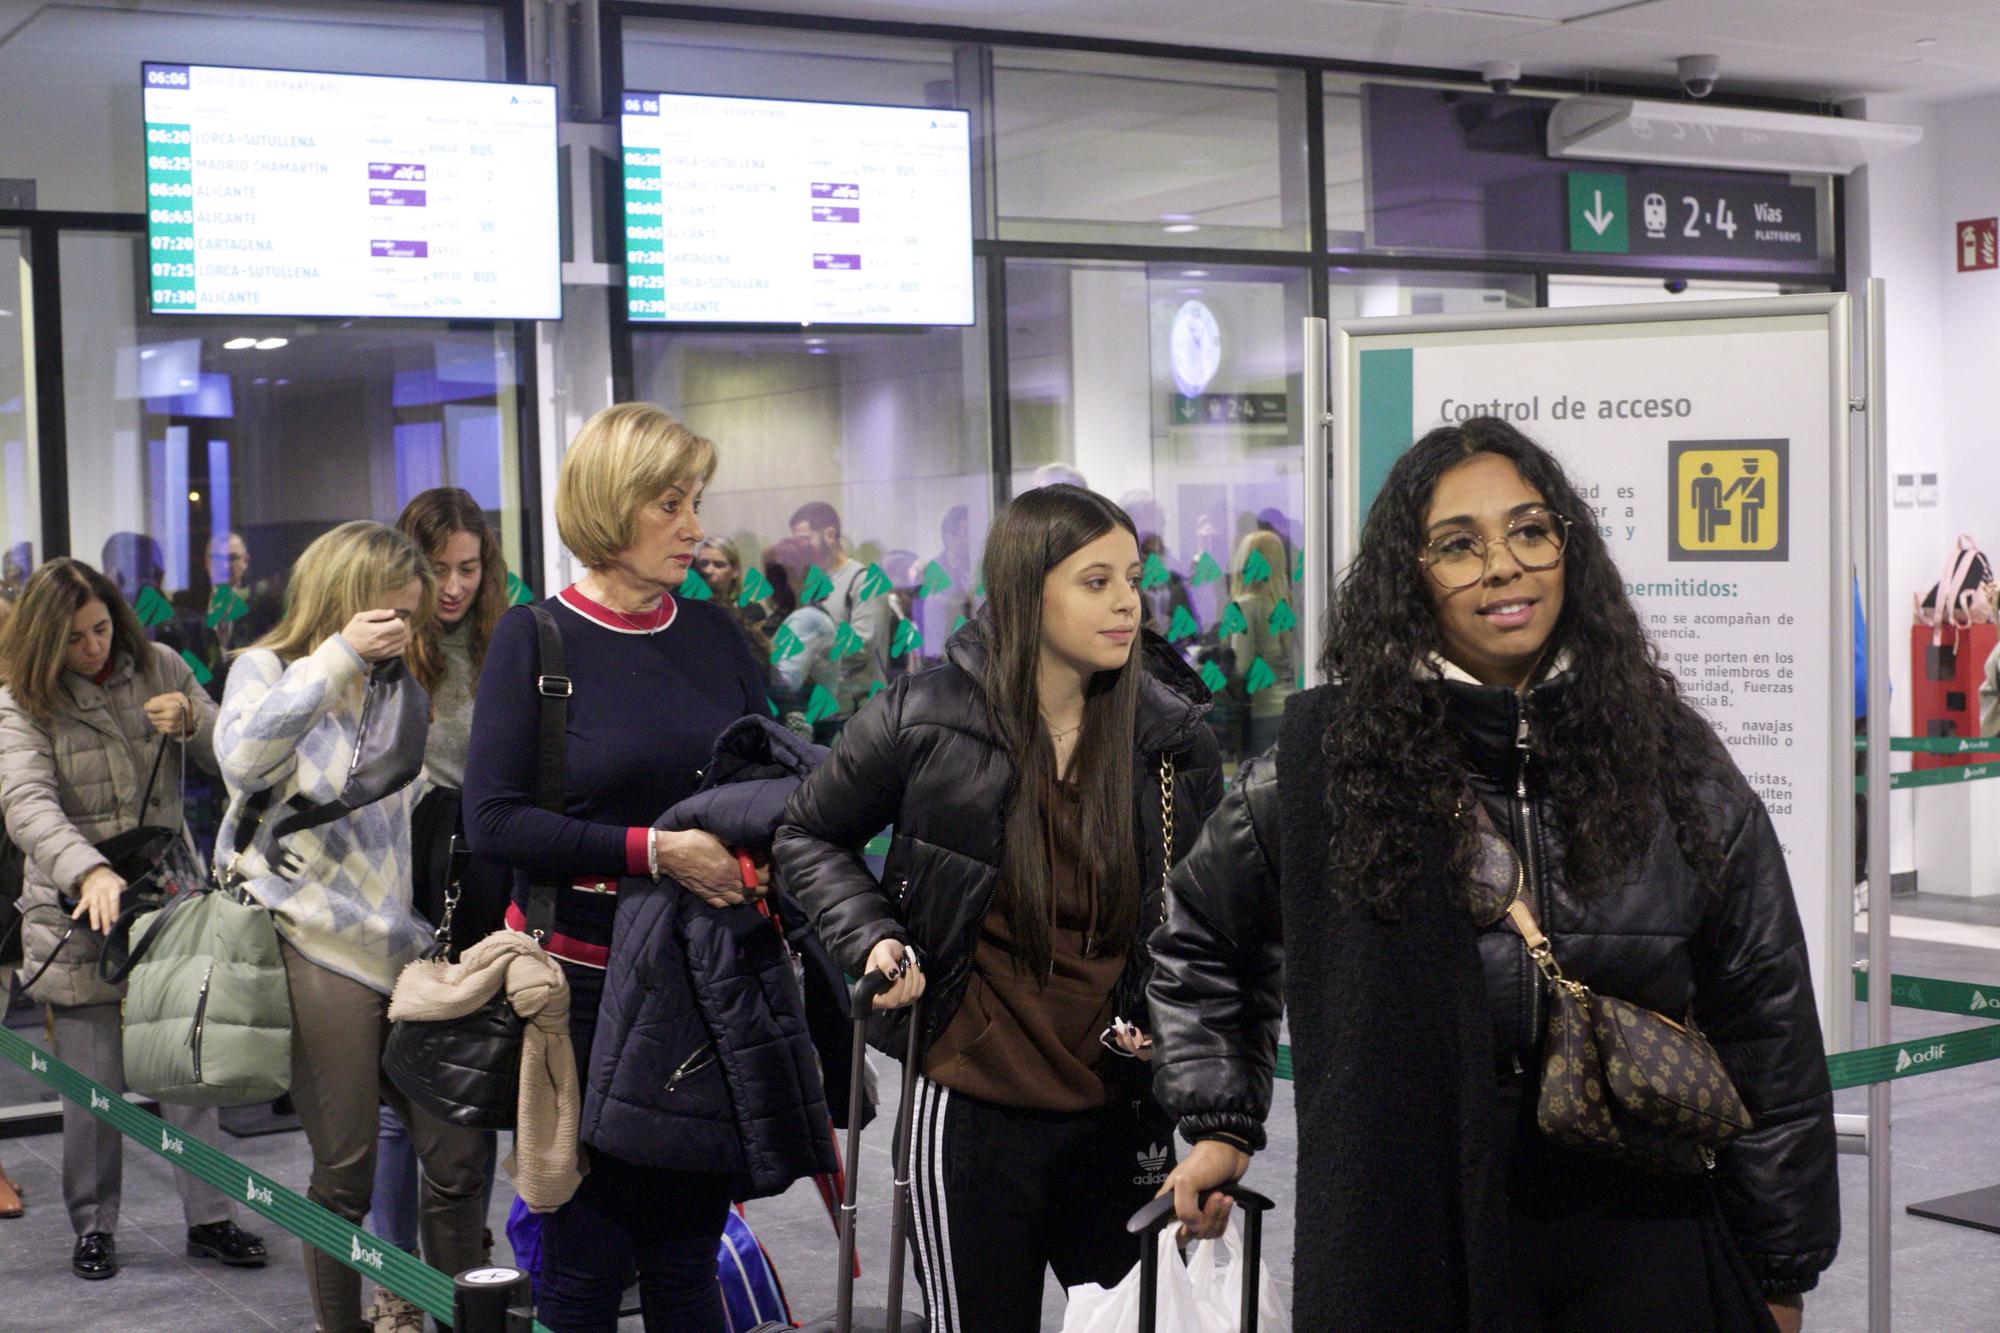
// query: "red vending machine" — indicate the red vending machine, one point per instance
point(1947, 665)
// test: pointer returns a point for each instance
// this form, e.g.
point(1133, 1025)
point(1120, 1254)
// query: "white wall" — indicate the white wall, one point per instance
point(1943, 350)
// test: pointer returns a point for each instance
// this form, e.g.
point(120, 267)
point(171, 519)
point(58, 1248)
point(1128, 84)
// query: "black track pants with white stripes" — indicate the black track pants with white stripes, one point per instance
point(1001, 1195)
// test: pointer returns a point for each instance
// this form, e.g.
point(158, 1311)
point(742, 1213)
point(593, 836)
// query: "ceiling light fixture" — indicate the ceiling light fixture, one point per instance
point(271, 344)
point(1180, 228)
point(238, 344)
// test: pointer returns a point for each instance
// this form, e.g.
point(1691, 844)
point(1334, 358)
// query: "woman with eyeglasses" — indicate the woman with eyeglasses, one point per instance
point(1485, 657)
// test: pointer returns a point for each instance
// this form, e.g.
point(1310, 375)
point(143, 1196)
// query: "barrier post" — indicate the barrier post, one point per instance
point(1876, 545)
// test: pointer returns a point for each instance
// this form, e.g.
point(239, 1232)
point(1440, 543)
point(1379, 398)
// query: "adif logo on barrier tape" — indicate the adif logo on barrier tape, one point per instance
point(255, 1193)
point(1980, 1002)
point(1905, 1061)
point(357, 1253)
point(1152, 1164)
point(168, 1143)
point(98, 1101)
point(36, 1064)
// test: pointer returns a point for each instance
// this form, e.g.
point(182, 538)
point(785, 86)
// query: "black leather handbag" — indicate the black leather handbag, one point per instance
point(467, 1070)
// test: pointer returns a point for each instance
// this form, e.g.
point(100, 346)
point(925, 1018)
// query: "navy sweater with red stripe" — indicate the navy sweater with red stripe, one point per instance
point(643, 719)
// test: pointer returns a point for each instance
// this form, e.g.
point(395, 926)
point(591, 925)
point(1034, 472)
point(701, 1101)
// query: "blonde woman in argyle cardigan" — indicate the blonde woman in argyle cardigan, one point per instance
point(288, 724)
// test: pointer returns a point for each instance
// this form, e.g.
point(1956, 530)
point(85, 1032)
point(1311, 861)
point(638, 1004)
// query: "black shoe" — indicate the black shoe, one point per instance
point(96, 1256)
point(226, 1243)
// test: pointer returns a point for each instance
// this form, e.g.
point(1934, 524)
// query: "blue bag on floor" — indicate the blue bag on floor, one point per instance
point(751, 1294)
point(524, 1233)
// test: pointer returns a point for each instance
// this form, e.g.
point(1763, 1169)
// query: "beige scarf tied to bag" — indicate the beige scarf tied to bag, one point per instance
point(546, 1164)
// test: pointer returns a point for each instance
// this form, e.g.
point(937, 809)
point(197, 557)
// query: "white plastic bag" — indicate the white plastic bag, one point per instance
point(1095, 1309)
point(1219, 1297)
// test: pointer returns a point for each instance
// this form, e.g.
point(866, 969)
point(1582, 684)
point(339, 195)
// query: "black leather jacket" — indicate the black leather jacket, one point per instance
point(1735, 959)
point(923, 757)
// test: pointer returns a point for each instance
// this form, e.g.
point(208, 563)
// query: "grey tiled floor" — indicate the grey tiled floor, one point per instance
point(1947, 1278)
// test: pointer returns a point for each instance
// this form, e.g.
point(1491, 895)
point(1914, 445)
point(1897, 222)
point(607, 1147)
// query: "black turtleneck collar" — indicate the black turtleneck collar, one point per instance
point(1488, 721)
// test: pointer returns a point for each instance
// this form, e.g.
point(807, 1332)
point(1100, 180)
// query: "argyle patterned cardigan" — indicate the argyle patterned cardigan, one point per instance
point(291, 728)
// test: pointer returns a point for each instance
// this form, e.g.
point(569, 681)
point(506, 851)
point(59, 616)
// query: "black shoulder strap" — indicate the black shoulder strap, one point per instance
point(554, 689)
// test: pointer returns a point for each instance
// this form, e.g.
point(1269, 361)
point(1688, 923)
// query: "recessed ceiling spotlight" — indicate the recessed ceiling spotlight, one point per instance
point(271, 344)
point(194, 497)
point(284, 382)
point(238, 344)
point(1179, 228)
point(1194, 273)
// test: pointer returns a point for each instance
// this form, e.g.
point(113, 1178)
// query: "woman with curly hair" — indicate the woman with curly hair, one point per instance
point(1482, 648)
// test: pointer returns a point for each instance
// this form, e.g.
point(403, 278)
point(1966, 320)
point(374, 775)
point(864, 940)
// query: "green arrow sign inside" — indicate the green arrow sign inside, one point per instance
point(1597, 214)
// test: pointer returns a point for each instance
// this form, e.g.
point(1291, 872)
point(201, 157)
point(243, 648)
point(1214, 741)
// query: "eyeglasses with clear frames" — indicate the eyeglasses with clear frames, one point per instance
point(1460, 559)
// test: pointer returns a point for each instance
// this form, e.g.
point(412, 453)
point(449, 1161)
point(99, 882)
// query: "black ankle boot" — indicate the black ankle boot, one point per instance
point(226, 1243)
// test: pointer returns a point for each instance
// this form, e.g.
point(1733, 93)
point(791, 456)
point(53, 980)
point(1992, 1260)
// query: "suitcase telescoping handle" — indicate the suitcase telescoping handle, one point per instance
point(863, 996)
point(1160, 1211)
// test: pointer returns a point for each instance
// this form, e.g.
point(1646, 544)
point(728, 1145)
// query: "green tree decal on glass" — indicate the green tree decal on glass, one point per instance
point(820, 705)
point(202, 675)
point(957, 624)
point(936, 580)
point(908, 636)
point(695, 588)
point(1299, 566)
point(1256, 568)
point(1155, 572)
point(1184, 625)
point(227, 604)
point(846, 643)
point(151, 608)
point(1282, 618)
point(876, 689)
point(518, 592)
point(1261, 676)
point(872, 583)
point(785, 644)
point(755, 587)
point(1205, 570)
point(1211, 676)
point(818, 586)
point(1232, 621)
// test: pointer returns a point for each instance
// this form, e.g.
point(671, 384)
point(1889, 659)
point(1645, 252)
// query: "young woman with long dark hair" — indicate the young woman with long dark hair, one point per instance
point(1483, 647)
point(1028, 779)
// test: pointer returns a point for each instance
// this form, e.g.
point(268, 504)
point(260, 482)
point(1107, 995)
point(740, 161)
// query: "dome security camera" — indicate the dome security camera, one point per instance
point(1501, 75)
point(1699, 74)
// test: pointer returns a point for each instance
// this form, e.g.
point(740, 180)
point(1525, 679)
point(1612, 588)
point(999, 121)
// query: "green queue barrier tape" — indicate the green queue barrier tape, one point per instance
point(1939, 997)
point(1935, 777)
point(371, 1256)
point(1938, 744)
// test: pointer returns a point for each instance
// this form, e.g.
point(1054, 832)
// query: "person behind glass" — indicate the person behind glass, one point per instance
point(448, 526)
point(655, 679)
point(290, 717)
point(872, 617)
point(1258, 600)
point(801, 661)
point(1023, 780)
point(1484, 648)
point(87, 703)
point(720, 564)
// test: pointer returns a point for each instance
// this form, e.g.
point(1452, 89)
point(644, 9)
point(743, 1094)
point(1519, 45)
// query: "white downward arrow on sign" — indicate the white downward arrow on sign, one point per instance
point(1597, 217)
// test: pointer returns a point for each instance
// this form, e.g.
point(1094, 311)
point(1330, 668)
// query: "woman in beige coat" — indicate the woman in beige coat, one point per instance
point(88, 698)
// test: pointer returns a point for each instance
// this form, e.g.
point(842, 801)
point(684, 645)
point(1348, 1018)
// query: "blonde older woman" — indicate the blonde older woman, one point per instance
point(341, 890)
point(653, 681)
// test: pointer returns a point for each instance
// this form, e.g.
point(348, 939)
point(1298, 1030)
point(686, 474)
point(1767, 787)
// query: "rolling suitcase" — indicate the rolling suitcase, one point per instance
point(846, 1319)
point(1159, 1213)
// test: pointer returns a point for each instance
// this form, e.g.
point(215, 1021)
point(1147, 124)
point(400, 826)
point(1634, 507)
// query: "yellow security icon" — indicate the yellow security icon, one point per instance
point(1729, 500)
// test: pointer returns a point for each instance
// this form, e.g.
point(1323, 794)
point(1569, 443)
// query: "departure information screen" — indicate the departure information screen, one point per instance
point(272, 192)
point(750, 211)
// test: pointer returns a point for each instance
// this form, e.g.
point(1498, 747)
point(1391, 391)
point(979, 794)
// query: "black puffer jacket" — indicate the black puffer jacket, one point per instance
point(1736, 959)
point(923, 757)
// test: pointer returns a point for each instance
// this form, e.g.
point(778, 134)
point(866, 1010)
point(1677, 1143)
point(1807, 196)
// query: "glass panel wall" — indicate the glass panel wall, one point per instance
point(738, 61)
point(1140, 151)
point(208, 452)
point(20, 473)
point(1174, 389)
point(69, 73)
point(871, 451)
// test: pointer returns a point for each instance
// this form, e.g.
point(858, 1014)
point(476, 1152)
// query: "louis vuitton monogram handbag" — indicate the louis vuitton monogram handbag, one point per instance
point(1618, 1080)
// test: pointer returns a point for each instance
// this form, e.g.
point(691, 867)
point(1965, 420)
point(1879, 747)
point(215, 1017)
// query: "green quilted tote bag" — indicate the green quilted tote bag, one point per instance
point(208, 1016)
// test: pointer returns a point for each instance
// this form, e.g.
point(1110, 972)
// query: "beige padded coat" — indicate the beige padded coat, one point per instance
point(76, 780)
